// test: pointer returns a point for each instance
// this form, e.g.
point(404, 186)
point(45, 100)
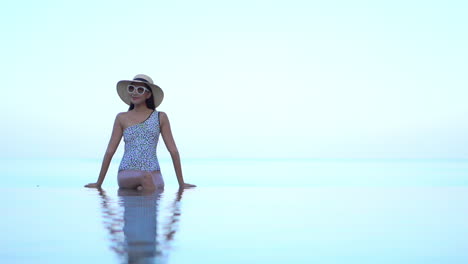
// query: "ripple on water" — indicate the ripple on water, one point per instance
point(140, 225)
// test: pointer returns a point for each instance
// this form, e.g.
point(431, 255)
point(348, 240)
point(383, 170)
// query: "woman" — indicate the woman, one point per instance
point(140, 127)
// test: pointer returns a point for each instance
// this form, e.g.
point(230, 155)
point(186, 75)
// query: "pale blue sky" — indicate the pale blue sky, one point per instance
point(246, 79)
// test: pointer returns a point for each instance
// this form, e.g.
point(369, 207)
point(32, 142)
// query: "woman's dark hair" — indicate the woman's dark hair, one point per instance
point(149, 101)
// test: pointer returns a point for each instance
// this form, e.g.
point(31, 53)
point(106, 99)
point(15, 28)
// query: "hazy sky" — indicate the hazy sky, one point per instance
point(282, 79)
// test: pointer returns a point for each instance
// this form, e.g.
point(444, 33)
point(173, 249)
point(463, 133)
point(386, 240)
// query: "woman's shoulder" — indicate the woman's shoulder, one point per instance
point(162, 115)
point(121, 115)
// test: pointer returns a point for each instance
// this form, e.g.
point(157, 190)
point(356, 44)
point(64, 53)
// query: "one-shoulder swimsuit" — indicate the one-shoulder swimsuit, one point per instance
point(139, 157)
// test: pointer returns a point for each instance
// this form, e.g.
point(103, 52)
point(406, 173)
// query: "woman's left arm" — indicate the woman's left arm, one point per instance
point(172, 148)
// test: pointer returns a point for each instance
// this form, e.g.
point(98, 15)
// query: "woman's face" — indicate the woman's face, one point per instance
point(137, 98)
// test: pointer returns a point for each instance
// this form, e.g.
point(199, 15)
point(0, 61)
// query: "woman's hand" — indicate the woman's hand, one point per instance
point(93, 185)
point(187, 186)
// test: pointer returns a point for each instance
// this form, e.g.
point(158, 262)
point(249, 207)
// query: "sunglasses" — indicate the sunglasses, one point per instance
point(137, 89)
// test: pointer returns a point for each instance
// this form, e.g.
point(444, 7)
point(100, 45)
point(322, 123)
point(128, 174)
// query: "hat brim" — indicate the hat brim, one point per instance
point(158, 94)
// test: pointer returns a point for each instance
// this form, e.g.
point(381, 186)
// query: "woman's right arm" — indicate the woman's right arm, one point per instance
point(114, 142)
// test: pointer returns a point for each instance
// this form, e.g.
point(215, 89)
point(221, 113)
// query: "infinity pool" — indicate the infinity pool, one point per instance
point(360, 222)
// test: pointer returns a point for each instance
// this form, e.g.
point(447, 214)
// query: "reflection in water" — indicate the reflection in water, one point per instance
point(133, 225)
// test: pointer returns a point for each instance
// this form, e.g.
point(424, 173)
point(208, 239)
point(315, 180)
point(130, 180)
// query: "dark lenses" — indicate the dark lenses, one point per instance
point(130, 88)
point(140, 90)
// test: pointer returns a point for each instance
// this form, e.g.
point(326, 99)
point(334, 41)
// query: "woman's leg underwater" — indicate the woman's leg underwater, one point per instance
point(140, 180)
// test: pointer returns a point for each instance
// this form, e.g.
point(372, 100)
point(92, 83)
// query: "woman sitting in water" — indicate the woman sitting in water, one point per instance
point(140, 127)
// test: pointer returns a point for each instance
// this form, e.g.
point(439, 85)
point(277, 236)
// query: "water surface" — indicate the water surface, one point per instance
point(242, 212)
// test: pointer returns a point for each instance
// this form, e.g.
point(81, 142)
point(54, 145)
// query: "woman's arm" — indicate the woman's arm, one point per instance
point(172, 148)
point(111, 148)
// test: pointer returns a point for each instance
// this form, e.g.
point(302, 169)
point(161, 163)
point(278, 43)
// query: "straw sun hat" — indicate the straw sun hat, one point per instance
point(158, 93)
